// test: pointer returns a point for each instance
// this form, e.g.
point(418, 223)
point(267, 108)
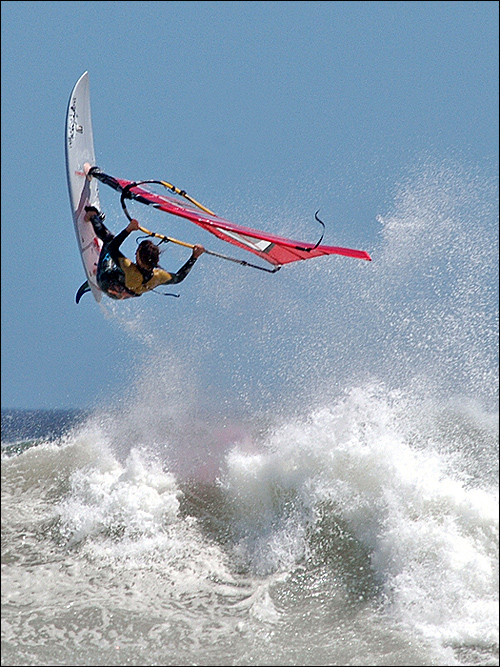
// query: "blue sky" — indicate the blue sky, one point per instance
point(265, 112)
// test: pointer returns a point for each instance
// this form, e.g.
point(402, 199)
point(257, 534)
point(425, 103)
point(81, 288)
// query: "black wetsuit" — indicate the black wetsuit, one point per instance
point(118, 276)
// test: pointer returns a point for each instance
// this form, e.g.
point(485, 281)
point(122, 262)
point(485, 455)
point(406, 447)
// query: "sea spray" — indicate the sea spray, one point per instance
point(316, 484)
point(429, 542)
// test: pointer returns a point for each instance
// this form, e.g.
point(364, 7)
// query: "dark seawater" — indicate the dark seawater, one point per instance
point(21, 428)
point(334, 540)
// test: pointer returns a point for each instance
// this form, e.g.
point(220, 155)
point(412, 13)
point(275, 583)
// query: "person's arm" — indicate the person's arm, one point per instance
point(115, 244)
point(184, 270)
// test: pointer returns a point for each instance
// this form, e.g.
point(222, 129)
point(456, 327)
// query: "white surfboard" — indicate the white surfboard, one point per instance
point(82, 192)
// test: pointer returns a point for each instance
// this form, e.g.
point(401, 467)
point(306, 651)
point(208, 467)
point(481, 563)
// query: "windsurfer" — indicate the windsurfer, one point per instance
point(120, 277)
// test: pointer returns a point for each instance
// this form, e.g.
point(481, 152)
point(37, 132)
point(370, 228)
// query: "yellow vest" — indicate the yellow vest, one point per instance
point(134, 278)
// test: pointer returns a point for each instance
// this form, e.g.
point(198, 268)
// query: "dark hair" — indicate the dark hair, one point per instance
point(149, 254)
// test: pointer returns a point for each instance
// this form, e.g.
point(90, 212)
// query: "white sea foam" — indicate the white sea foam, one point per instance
point(432, 542)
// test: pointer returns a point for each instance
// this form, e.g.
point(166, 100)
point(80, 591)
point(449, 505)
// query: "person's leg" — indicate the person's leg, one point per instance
point(97, 219)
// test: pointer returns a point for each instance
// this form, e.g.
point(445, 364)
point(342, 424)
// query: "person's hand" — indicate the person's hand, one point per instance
point(198, 250)
point(133, 226)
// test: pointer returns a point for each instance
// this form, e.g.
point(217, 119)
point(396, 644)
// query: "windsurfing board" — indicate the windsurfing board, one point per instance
point(82, 192)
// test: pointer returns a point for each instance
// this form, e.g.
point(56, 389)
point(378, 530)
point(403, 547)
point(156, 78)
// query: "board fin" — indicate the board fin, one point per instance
point(82, 290)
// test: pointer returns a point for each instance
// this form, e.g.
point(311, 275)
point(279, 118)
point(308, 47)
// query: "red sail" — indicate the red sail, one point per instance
point(273, 249)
